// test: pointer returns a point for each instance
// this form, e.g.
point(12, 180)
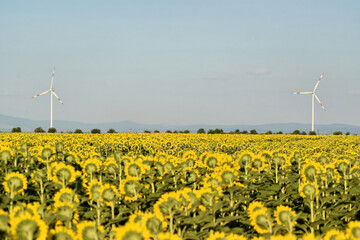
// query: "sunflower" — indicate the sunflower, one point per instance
point(153, 223)
point(261, 222)
point(64, 174)
point(93, 190)
point(308, 190)
point(334, 234)
point(130, 188)
point(111, 166)
point(6, 155)
point(61, 233)
point(91, 166)
point(87, 230)
point(28, 226)
point(15, 183)
point(4, 221)
point(254, 206)
point(285, 216)
point(310, 170)
point(66, 212)
point(168, 236)
point(132, 231)
point(135, 168)
point(284, 237)
point(216, 236)
point(66, 195)
point(353, 230)
point(310, 236)
point(31, 208)
point(108, 193)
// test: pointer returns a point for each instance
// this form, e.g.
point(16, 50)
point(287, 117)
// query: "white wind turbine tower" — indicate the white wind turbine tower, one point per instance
point(52, 92)
point(313, 99)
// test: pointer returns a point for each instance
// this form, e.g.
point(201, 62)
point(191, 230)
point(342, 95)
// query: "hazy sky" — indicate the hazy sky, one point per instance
point(181, 62)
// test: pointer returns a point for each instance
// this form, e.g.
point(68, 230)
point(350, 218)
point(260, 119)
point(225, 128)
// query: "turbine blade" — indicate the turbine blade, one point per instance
point(57, 97)
point(41, 93)
point(319, 102)
point(52, 78)
point(321, 76)
point(301, 93)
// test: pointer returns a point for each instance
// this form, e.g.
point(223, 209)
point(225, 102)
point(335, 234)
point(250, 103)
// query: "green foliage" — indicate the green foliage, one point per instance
point(78, 131)
point(96, 131)
point(253, 131)
point(52, 130)
point(168, 131)
point(111, 130)
point(216, 131)
point(201, 131)
point(147, 131)
point(16, 129)
point(156, 131)
point(268, 132)
point(296, 132)
point(312, 133)
point(39, 130)
point(337, 133)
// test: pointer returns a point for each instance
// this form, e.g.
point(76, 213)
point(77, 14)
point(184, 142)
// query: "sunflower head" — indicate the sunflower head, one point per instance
point(93, 190)
point(334, 234)
point(108, 193)
point(87, 230)
point(132, 231)
point(46, 152)
point(61, 233)
point(15, 183)
point(308, 190)
point(4, 221)
point(217, 236)
point(28, 226)
point(153, 223)
point(260, 220)
point(285, 216)
point(353, 230)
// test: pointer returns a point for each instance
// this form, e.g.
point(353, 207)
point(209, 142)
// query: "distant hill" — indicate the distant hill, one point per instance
point(8, 122)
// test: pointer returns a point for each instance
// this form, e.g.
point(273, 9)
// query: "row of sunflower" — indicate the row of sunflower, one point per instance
point(179, 186)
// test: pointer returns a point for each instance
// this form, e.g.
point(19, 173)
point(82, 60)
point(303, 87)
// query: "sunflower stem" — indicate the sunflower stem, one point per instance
point(98, 211)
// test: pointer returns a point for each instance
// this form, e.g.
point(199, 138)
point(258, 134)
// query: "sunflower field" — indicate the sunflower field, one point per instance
point(142, 186)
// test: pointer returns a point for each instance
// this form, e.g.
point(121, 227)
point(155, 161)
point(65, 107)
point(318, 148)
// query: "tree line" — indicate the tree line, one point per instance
point(199, 131)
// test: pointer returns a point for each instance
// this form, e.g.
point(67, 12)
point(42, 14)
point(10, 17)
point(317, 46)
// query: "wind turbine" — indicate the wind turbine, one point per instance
point(313, 100)
point(52, 92)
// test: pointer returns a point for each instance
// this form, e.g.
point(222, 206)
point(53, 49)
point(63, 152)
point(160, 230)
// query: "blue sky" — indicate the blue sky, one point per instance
point(181, 62)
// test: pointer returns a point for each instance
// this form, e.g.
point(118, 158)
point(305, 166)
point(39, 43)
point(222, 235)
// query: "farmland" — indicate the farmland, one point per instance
point(179, 186)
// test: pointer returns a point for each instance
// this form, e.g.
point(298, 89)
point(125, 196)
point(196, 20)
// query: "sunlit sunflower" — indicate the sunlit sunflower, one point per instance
point(261, 221)
point(28, 226)
point(66, 195)
point(64, 174)
point(216, 236)
point(93, 190)
point(308, 190)
point(4, 221)
point(20, 209)
point(353, 230)
point(285, 216)
point(66, 212)
point(91, 167)
point(334, 234)
point(62, 233)
point(130, 188)
point(132, 231)
point(108, 193)
point(135, 168)
point(233, 236)
point(168, 236)
point(284, 237)
point(310, 171)
point(15, 183)
point(153, 223)
point(87, 230)
point(111, 167)
point(310, 236)
point(255, 206)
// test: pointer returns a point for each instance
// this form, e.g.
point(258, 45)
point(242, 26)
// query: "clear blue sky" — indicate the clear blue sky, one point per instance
point(181, 62)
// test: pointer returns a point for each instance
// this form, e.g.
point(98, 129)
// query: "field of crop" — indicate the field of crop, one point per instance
point(179, 186)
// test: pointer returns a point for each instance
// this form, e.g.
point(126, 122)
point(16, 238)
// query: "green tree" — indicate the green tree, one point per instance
point(303, 133)
point(111, 130)
point(16, 129)
point(156, 131)
point(39, 130)
point(147, 131)
point(52, 130)
point(297, 132)
point(201, 131)
point(237, 131)
point(253, 131)
point(337, 133)
point(186, 131)
point(347, 133)
point(244, 132)
point(269, 132)
point(312, 133)
point(168, 131)
point(78, 131)
point(95, 130)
